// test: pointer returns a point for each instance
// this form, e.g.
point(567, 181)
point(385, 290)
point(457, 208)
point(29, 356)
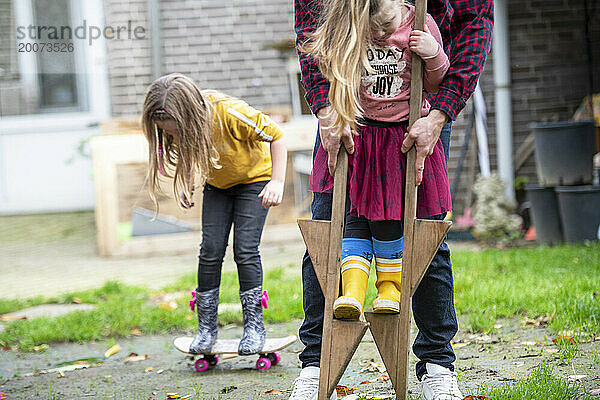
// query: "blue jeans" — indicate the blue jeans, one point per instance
point(238, 205)
point(433, 301)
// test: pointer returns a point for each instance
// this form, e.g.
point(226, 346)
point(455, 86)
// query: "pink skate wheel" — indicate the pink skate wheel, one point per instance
point(263, 363)
point(275, 358)
point(201, 365)
point(264, 299)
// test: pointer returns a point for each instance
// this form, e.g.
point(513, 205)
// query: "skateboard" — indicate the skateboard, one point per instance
point(228, 348)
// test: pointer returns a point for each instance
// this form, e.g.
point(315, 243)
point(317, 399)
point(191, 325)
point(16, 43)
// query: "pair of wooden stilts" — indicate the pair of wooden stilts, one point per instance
point(422, 238)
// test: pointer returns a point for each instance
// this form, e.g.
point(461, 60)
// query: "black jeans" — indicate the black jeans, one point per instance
point(433, 302)
point(239, 205)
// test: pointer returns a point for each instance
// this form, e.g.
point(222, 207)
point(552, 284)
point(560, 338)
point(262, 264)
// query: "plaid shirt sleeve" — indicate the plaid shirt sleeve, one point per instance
point(471, 36)
point(314, 83)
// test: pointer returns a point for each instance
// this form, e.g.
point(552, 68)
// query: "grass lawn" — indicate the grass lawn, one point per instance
point(541, 384)
point(562, 282)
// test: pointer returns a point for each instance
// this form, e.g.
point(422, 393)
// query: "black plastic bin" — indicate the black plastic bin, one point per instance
point(579, 212)
point(545, 214)
point(563, 152)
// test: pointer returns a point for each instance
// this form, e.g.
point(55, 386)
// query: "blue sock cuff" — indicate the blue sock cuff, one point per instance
point(388, 249)
point(357, 247)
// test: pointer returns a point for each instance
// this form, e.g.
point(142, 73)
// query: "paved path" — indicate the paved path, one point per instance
point(48, 269)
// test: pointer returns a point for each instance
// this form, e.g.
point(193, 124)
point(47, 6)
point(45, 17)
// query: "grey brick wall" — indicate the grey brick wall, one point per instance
point(129, 61)
point(219, 44)
point(549, 75)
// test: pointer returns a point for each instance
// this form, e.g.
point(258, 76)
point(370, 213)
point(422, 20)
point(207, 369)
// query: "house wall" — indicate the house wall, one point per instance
point(219, 44)
point(549, 75)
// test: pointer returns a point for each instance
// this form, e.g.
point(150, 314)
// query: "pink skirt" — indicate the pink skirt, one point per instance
point(376, 176)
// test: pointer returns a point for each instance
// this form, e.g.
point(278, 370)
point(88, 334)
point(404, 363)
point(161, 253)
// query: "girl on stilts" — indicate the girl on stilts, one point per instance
point(364, 49)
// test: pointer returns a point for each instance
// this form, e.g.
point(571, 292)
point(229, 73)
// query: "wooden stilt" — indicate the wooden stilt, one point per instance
point(314, 234)
point(422, 239)
point(385, 329)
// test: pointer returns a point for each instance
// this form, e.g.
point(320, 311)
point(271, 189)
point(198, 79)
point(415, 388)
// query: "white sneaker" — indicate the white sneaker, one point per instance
point(306, 386)
point(439, 383)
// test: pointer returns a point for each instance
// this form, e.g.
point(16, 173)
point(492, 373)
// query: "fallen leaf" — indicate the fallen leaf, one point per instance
point(189, 317)
point(112, 350)
point(11, 317)
point(273, 391)
point(134, 357)
point(6, 348)
point(40, 348)
point(76, 300)
point(471, 397)
point(60, 374)
point(364, 382)
point(507, 379)
point(171, 305)
point(577, 378)
point(459, 345)
point(371, 366)
point(529, 343)
point(344, 390)
point(564, 340)
point(173, 396)
point(595, 392)
point(136, 332)
point(384, 378)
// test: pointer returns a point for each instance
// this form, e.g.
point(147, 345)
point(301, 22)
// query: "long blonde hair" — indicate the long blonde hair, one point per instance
point(176, 97)
point(339, 45)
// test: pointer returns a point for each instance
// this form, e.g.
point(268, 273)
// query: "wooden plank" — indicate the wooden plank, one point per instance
point(523, 152)
point(338, 209)
point(385, 331)
point(315, 234)
point(431, 234)
point(347, 335)
point(410, 211)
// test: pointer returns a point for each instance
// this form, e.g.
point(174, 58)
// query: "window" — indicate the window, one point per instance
point(42, 78)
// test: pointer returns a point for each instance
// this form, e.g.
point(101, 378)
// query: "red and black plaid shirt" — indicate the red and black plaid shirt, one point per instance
point(466, 28)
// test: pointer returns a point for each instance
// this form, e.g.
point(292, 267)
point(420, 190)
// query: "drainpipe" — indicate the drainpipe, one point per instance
point(504, 135)
point(155, 37)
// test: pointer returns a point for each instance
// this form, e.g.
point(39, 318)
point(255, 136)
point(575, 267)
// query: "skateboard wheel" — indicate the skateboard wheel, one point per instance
point(275, 358)
point(201, 365)
point(263, 363)
point(212, 359)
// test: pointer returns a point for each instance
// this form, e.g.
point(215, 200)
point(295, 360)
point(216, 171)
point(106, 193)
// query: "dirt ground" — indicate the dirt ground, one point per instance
point(494, 359)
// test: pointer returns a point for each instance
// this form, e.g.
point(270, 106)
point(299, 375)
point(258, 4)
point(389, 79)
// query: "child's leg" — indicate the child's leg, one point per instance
point(387, 246)
point(248, 221)
point(357, 253)
point(217, 216)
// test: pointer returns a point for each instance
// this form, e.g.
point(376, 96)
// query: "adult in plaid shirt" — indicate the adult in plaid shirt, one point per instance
point(466, 29)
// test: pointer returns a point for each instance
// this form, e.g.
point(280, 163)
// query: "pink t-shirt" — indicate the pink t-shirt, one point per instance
point(385, 95)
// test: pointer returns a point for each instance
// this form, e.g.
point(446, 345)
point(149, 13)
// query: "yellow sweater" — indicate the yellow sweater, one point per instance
point(241, 135)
